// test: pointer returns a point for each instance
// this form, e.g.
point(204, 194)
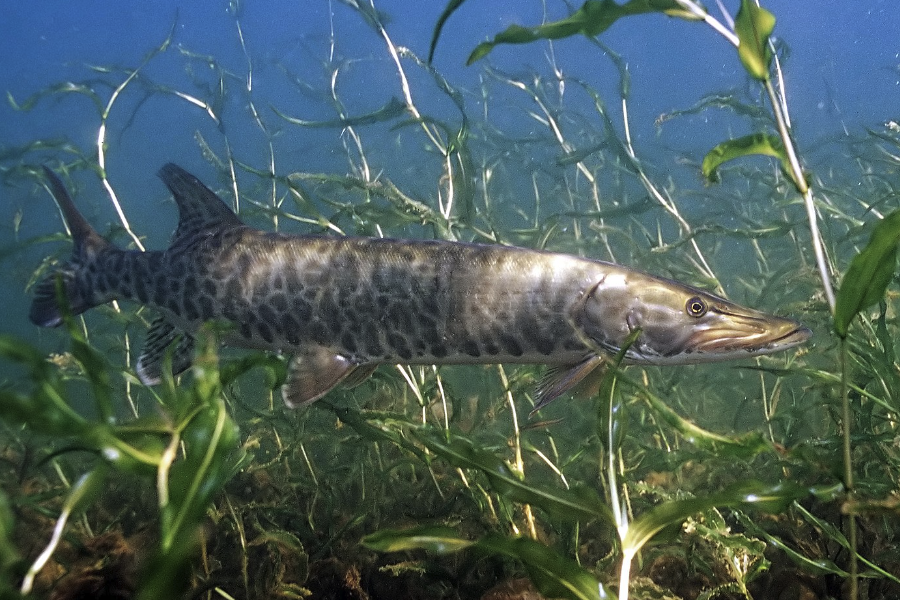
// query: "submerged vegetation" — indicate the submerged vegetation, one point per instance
point(777, 478)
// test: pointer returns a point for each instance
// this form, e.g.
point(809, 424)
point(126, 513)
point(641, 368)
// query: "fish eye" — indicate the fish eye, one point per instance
point(696, 307)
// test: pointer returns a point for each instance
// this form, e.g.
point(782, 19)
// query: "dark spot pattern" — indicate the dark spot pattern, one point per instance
point(190, 309)
point(266, 313)
point(265, 332)
point(279, 302)
point(371, 340)
point(470, 348)
point(348, 341)
point(510, 345)
point(207, 308)
point(290, 329)
point(376, 300)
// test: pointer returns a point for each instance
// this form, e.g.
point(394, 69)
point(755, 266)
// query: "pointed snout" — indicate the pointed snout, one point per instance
point(750, 334)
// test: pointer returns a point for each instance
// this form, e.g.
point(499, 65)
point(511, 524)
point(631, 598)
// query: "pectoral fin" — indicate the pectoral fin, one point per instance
point(559, 380)
point(159, 347)
point(312, 374)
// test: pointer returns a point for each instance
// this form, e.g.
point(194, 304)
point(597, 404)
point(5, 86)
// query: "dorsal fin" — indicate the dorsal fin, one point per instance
point(199, 208)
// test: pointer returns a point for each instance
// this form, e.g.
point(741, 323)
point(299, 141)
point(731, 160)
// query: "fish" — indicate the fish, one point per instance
point(342, 306)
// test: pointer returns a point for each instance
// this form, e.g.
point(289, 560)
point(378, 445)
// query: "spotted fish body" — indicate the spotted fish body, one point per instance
point(342, 306)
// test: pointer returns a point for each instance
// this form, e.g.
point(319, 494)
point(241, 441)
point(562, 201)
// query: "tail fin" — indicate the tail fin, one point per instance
point(69, 285)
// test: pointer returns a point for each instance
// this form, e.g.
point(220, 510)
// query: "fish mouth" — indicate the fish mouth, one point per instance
point(748, 336)
point(793, 338)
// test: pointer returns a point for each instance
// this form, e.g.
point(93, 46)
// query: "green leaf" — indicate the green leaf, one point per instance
point(210, 441)
point(96, 371)
point(869, 273)
point(439, 26)
point(611, 415)
point(84, 491)
point(554, 575)
point(673, 8)
point(818, 566)
point(767, 498)
point(58, 88)
point(578, 503)
point(45, 408)
point(375, 427)
point(9, 555)
point(753, 26)
point(393, 109)
point(593, 18)
point(835, 534)
point(757, 143)
point(739, 447)
point(441, 540)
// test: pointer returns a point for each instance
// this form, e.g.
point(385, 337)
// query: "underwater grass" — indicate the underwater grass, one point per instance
point(425, 482)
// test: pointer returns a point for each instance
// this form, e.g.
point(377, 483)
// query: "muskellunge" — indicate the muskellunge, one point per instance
point(344, 305)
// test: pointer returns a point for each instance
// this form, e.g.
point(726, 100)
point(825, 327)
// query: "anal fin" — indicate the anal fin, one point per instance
point(312, 374)
point(159, 347)
point(559, 380)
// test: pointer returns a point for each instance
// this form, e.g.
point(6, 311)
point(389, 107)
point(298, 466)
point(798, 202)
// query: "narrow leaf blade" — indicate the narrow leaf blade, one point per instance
point(869, 273)
point(441, 540)
point(748, 145)
point(554, 575)
point(593, 18)
point(578, 503)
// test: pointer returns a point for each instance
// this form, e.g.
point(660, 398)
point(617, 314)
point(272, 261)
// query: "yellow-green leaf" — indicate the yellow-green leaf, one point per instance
point(85, 490)
point(771, 498)
point(579, 503)
point(554, 575)
point(757, 143)
point(441, 540)
point(593, 18)
point(753, 26)
point(869, 273)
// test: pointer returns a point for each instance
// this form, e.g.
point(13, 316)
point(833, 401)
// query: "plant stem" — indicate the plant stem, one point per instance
point(779, 110)
point(848, 471)
point(625, 575)
point(803, 188)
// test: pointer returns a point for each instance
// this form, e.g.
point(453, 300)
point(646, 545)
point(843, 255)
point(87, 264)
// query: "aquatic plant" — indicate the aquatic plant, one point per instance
point(430, 482)
point(189, 451)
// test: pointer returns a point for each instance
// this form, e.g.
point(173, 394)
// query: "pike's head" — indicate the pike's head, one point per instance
point(680, 324)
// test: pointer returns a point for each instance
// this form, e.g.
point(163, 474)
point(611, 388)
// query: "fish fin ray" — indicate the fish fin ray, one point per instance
point(49, 303)
point(159, 348)
point(359, 375)
point(199, 208)
point(312, 374)
point(558, 380)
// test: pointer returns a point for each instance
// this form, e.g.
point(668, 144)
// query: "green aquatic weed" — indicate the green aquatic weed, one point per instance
point(187, 456)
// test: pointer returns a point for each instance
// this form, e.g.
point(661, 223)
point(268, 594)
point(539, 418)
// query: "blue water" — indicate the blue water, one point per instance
point(311, 59)
point(842, 75)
